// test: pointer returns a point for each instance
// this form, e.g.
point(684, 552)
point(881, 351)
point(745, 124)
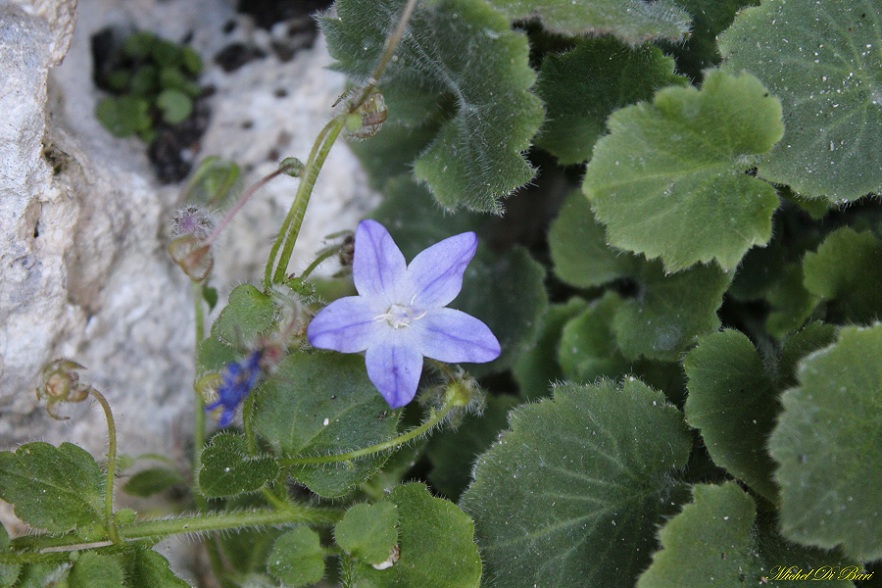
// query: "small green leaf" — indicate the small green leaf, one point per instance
point(715, 541)
point(582, 87)
point(175, 106)
point(679, 162)
point(579, 250)
point(123, 116)
point(733, 399)
point(248, 314)
point(167, 54)
point(826, 443)
point(572, 494)
point(152, 481)
point(537, 369)
point(588, 347)
point(53, 488)
point(139, 45)
point(319, 404)
point(436, 545)
point(145, 83)
point(822, 60)
point(209, 294)
point(191, 60)
point(147, 569)
point(461, 53)
point(632, 21)
point(453, 452)
point(368, 531)
point(228, 469)
point(297, 558)
point(670, 311)
point(96, 571)
point(42, 575)
point(846, 273)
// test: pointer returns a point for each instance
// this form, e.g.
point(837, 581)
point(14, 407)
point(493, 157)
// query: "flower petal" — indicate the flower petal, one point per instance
point(394, 367)
point(453, 336)
point(347, 325)
point(435, 274)
point(379, 268)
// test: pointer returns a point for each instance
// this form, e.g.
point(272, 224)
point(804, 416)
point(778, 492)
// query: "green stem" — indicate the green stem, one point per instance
point(284, 245)
point(111, 466)
point(391, 44)
point(157, 529)
point(246, 196)
point(434, 418)
point(318, 261)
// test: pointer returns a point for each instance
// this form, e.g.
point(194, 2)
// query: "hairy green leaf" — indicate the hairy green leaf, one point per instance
point(716, 541)
point(571, 495)
point(669, 311)
point(582, 87)
point(228, 469)
point(8, 571)
point(846, 273)
point(318, 404)
point(53, 488)
point(297, 558)
point(147, 569)
point(368, 531)
point(579, 250)
point(733, 400)
point(822, 60)
point(462, 53)
point(152, 481)
point(96, 571)
point(436, 545)
point(248, 314)
point(632, 21)
point(588, 348)
point(669, 182)
point(827, 445)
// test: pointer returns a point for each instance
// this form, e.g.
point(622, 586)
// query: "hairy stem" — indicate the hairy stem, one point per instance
point(111, 466)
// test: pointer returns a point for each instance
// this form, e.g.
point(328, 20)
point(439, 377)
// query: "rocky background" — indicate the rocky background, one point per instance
point(84, 219)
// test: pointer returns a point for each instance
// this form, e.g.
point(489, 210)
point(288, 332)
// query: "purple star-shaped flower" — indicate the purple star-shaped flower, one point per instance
point(399, 315)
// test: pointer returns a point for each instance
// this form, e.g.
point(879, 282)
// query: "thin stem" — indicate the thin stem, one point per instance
point(434, 418)
point(389, 50)
point(318, 261)
point(156, 529)
point(294, 220)
point(111, 466)
point(240, 203)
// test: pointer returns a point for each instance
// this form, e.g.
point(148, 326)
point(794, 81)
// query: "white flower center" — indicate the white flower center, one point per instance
point(399, 316)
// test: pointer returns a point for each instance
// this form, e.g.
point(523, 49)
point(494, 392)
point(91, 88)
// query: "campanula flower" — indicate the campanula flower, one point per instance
point(399, 315)
point(237, 380)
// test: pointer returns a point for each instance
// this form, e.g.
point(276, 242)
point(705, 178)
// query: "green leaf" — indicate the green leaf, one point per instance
point(319, 404)
point(588, 347)
point(572, 494)
point(582, 87)
point(846, 273)
point(297, 558)
point(709, 19)
point(167, 54)
point(147, 569)
point(633, 21)
point(248, 314)
point(822, 60)
point(228, 469)
point(514, 312)
point(537, 369)
point(436, 545)
point(145, 83)
point(579, 251)
point(53, 488)
point(124, 116)
point(453, 452)
point(464, 53)
point(368, 531)
point(96, 571)
point(42, 575)
point(175, 106)
point(716, 541)
point(8, 571)
point(669, 182)
point(669, 311)
point(826, 443)
point(139, 45)
point(152, 481)
point(191, 60)
point(734, 398)
point(210, 296)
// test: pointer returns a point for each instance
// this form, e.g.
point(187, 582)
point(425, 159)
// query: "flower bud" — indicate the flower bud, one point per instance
point(292, 166)
point(193, 256)
point(367, 119)
point(61, 383)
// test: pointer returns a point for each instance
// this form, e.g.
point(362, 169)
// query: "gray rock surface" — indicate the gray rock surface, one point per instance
point(84, 223)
